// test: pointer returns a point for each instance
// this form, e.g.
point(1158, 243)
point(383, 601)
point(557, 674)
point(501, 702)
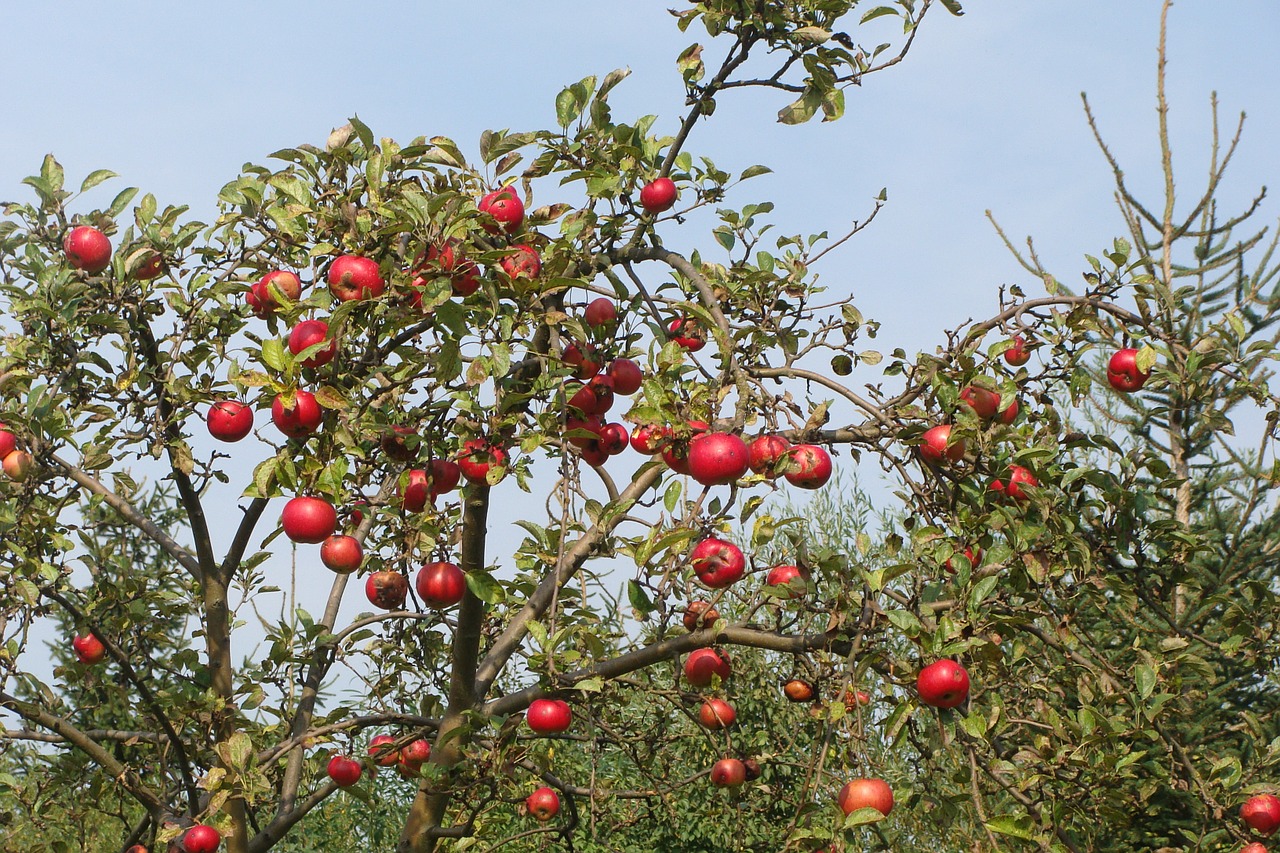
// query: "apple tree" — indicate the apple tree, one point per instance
point(414, 345)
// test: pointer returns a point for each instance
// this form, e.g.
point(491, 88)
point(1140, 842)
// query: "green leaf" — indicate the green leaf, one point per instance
point(801, 110)
point(484, 586)
point(1144, 678)
point(878, 12)
point(753, 171)
point(905, 621)
point(273, 354)
point(671, 498)
point(862, 817)
point(96, 177)
point(953, 6)
point(1017, 826)
point(639, 598)
point(52, 173)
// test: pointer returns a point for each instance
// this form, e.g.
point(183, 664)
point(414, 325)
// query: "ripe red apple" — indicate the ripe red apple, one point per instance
point(765, 452)
point(728, 773)
point(521, 262)
point(866, 794)
point(88, 648)
point(686, 333)
point(601, 387)
point(717, 563)
point(302, 419)
point(1255, 847)
point(440, 585)
point(702, 664)
point(8, 442)
point(583, 358)
point(613, 438)
point(414, 488)
point(648, 439)
point(938, 446)
point(477, 457)
point(583, 432)
point(798, 690)
point(1010, 414)
point(400, 443)
point(150, 268)
point(415, 752)
point(137, 848)
point(344, 771)
point(943, 684)
point(1017, 354)
point(676, 453)
point(983, 401)
point(1013, 487)
point(717, 458)
point(201, 839)
point(716, 714)
point(18, 465)
point(853, 698)
point(549, 716)
point(310, 333)
point(464, 275)
point(87, 248)
point(353, 277)
point(808, 466)
point(1262, 814)
point(600, 312)
point(386, 589)
point(505, 207)
point(264, 301)
point(308, 519)
point(445, 476)
point(700, 614)
point(594, 454)
point(626, 375)
point(791, 578)
point(229, 420)
point(342, 554)
point(1123, 373)
point(583, 399)
point(658, 195)
point(381, 752)
point(973, 555)
point(543, 804)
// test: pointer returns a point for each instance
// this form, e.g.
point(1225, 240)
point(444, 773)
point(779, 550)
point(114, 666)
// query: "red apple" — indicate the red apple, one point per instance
point(583, 432)
point(137, 848)
point(543, 804)
point(853, 698)
point(658, 195)
point(263, 299)
point(400, 443)
point(302, 419)
point(355, 516)
point(549, 716)
point(798, 690)
point(943, 684)
point(1013, 487)
point(415, 753)
point(866, 794)
point(505, 206)
point(88, 648)
point(600, 312)
point(765, 452)
point(1262, 814)
point(728, 773)
point(791, 578)
point(386, 589)
point(808, 466)
point(648, 439)
point(1017, 354)
point(938, 446)
point(381, 752)
point(311, 333)
point(8, 442)
point(686, 333)
point(613, 438)
point(626, 375)
point(309, 520)
point(1010, 414)
point(464, 275)
point(1123, 373)
point(676, 453)
point(87, 248)
point(201, 839)
point(983, 401)
point(414, 488)
point(342, 554)
point(477, 457)
point(352, 277)
point(702, 664)
point(445, 476)
point(150, 268)
point(521, 262)
point(344, 771)
point(700, 614)
point(716, 714)
point(717, 563)
point(717, 458)
point(1255, 847)
point(229, 420)
point(584, 359)
point(18, 465)
point(973, 555)
point(440, 585)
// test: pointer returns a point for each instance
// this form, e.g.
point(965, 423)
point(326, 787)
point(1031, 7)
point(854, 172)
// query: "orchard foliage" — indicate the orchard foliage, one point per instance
point(1100, 563)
